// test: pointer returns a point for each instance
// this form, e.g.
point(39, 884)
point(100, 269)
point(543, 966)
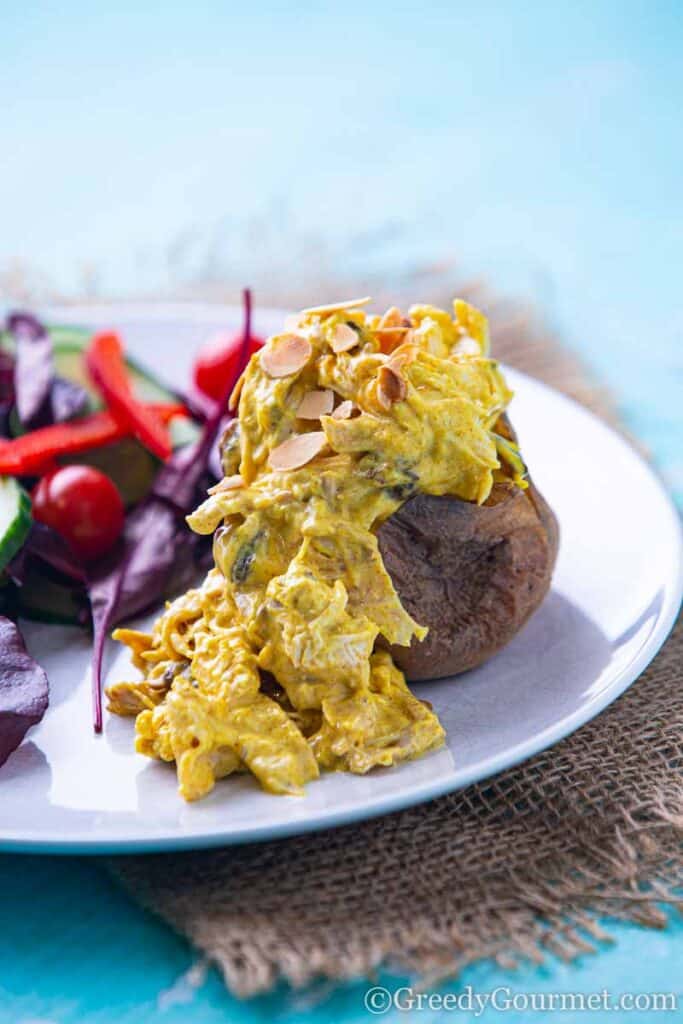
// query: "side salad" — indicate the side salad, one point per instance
point(100, 463)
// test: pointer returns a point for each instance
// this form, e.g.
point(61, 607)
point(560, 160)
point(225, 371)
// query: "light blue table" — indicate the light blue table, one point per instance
point(538, 142)
point(75, 950)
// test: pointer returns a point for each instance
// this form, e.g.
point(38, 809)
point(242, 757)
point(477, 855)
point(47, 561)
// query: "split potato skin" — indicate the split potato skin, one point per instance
point(472, 573)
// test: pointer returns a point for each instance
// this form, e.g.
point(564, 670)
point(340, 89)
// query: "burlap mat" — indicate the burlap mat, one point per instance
point(509, 868)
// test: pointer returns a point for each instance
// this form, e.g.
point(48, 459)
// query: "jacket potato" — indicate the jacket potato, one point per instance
point(472, 573)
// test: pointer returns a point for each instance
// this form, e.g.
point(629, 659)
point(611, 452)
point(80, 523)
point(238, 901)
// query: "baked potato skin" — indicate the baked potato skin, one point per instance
point(472, 573)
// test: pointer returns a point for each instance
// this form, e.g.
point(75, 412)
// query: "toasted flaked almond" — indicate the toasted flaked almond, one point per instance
point(391, 330)
point(336, 307)
point(286, 355)
point(390, 337)
point(466, 346)
point(399, 331)
point(315, 404)
point(228, 483)
point(343, 410)
point(297, 451)
point(391, 387)
point(403, 357)
point(392, 318)
point(344, 338)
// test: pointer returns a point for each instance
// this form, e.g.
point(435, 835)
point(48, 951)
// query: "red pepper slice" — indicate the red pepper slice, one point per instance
point(29, 454)
point(106, 366)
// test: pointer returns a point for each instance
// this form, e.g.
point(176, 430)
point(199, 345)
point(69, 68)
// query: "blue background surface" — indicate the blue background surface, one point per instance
point(148, 149)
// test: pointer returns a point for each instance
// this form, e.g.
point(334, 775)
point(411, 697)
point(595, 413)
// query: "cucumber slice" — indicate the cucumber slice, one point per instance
point(183, 431)
point(69, 363)
point(67, 334)
point(126, 462)
point(68, 344)
point(15, 518)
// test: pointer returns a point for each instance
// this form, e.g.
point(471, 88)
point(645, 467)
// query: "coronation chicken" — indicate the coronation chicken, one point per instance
point(272, 664)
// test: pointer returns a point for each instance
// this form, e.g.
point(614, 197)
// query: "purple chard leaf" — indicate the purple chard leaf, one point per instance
point(68, 399)
point(33, 371)
point(41, 397)
point(6, 391)
point(23, 689)
point(47, 546)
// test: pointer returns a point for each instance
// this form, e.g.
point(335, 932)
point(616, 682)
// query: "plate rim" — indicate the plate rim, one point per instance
point(425, 791)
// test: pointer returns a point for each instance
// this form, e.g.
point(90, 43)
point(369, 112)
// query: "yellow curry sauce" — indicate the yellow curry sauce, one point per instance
point(271, 664)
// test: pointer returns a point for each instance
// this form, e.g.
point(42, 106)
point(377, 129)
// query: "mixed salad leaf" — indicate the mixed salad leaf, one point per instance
point(6, 391)
point(74, 402)
point(41, 396)
point(23, 689)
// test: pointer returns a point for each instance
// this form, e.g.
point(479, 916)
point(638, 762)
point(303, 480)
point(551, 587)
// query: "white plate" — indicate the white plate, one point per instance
point(616, 592)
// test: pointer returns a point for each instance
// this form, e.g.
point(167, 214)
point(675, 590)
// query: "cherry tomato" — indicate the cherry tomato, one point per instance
point(81, 504)
point(217, 361)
